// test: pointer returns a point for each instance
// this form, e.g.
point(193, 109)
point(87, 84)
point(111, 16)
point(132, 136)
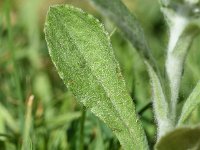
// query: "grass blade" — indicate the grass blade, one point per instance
point(14, 63)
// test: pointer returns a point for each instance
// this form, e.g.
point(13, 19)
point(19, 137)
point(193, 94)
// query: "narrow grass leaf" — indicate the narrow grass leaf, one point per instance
point(160, 104)
point(191, 103)
point(81, 51)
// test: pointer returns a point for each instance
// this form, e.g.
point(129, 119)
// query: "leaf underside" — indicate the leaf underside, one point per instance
point(80, 48)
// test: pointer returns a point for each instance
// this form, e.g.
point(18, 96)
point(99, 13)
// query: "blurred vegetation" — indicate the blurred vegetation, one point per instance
point(36, 109)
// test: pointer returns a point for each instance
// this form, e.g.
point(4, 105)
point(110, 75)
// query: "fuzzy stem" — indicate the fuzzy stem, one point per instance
point(174, 64)
point(180, 41)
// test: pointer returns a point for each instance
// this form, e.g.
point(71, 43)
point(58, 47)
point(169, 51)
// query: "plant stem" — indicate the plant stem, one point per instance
point(182, 34)
point(174, 64)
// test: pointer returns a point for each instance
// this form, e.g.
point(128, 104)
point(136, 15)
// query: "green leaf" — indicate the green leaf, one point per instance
point(160, 105)
point(191, 103)
point(81, 51)
point(180, 139)
point(127, 23)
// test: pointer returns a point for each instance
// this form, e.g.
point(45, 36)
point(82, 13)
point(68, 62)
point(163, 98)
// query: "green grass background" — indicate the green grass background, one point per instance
point(36, 109)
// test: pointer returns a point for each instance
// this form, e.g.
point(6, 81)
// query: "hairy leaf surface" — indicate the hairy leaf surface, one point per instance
point(160, 105)
point(81, 51)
